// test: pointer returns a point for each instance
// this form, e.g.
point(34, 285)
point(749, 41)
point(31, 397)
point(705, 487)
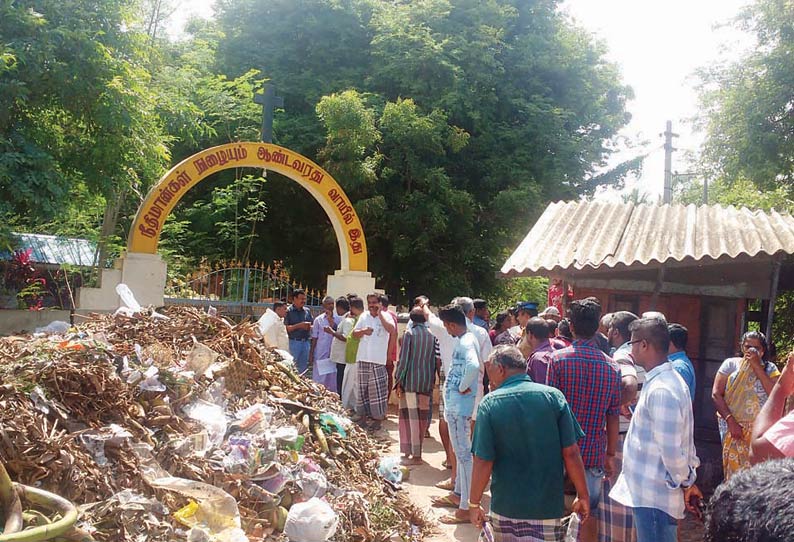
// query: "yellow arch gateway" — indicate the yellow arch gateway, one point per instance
point(161, 200)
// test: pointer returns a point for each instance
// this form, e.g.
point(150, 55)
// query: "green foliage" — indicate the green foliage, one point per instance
point(78, 109)
point(739, 193)
point(746, 104)
point(519, 289)
point(351, 130)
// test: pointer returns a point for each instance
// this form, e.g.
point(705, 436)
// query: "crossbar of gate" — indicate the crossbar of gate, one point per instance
point(238, 289)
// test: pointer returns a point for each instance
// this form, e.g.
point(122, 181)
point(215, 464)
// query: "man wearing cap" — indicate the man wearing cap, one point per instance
point(526, 310)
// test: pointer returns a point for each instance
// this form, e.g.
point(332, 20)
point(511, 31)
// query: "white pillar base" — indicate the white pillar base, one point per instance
point(344, 282)
point(145, 274)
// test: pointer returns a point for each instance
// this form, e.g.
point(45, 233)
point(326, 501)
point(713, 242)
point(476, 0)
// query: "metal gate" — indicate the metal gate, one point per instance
point(238, 289)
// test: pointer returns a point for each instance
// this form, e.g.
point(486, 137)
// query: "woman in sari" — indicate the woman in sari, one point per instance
point(741, 388)
point(500, 333)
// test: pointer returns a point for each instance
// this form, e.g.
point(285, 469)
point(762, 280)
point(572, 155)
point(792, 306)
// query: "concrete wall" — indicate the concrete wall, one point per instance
point(14, 322)
point(145, 274)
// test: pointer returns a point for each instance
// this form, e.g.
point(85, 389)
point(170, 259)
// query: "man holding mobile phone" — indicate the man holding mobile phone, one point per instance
point(373, 329)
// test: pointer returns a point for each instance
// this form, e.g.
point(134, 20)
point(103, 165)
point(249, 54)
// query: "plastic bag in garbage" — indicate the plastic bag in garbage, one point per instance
point(330, 422)
point(311, 521)
point(151, 380)
point(200, 357)
point(130, 305)
point(211, 416)
point(95, 440)
point(254, 419)
point(389, 468)
point(215, 512)
point(58, 327)
point(267, 320)
point(312, 484)
point(131, 500)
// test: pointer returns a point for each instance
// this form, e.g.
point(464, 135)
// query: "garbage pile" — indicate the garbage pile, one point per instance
point(184, 426)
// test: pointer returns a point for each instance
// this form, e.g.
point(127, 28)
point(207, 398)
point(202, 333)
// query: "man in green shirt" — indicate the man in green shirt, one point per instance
point(349, 391)
point(524, 435)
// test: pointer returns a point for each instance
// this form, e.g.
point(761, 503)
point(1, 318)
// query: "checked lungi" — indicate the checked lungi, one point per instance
point(527, 530)
point(373, 390)
point(414, 421)
point(615, 522)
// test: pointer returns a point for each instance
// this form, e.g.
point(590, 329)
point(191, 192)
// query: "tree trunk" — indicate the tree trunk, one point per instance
point(109, 223)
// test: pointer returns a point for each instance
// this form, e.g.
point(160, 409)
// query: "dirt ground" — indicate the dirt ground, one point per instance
point(421, 487)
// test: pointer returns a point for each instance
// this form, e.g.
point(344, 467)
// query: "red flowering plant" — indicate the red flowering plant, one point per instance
point(22, 277)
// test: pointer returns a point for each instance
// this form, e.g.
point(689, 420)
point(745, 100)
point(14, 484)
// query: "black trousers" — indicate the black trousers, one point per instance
point(340, 376)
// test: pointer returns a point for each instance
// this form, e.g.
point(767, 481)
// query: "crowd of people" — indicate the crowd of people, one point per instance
point(611, 393)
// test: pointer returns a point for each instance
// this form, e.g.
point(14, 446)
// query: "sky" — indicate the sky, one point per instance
point(658, 46)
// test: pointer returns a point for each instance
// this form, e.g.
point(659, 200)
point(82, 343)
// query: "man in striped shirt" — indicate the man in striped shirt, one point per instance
point(414, 379)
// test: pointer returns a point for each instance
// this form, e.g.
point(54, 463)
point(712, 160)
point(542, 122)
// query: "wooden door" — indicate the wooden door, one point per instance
point(718, 341)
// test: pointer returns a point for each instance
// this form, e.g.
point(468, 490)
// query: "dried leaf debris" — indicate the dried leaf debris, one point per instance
point(96, 415)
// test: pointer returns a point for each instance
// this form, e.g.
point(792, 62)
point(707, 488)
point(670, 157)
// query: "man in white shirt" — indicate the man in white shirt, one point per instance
point(373, 328)
point(632, 375)
point(276, 334)
point(483, 340)
point(339, 341)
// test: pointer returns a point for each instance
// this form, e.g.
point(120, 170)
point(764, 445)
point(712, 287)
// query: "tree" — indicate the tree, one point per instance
point(746, 104)
point(79, 109)
point(483, 111)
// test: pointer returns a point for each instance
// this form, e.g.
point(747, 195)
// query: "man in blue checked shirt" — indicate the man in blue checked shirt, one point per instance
point(659, 460)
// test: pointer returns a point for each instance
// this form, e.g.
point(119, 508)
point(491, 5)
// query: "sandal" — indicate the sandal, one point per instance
point(444, 502)
point(452, 519)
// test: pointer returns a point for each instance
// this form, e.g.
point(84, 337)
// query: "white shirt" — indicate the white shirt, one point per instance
point(372, 348)
point(337, 346)
point(659, 457)
point(483, 352)
point(446, 342)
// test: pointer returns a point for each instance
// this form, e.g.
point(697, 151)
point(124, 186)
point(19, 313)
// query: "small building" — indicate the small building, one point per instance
point(54, 264)
point(704, 267)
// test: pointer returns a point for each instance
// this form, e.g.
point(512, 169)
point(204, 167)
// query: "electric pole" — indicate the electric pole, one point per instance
point(667, 195)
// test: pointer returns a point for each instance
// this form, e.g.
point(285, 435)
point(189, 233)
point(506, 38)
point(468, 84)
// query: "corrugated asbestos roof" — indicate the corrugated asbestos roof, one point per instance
point(572, 236)
point(50, 249)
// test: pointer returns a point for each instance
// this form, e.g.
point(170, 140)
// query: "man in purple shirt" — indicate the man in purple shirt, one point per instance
point(590, 381)
point(537, 331)
point(323, 369)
